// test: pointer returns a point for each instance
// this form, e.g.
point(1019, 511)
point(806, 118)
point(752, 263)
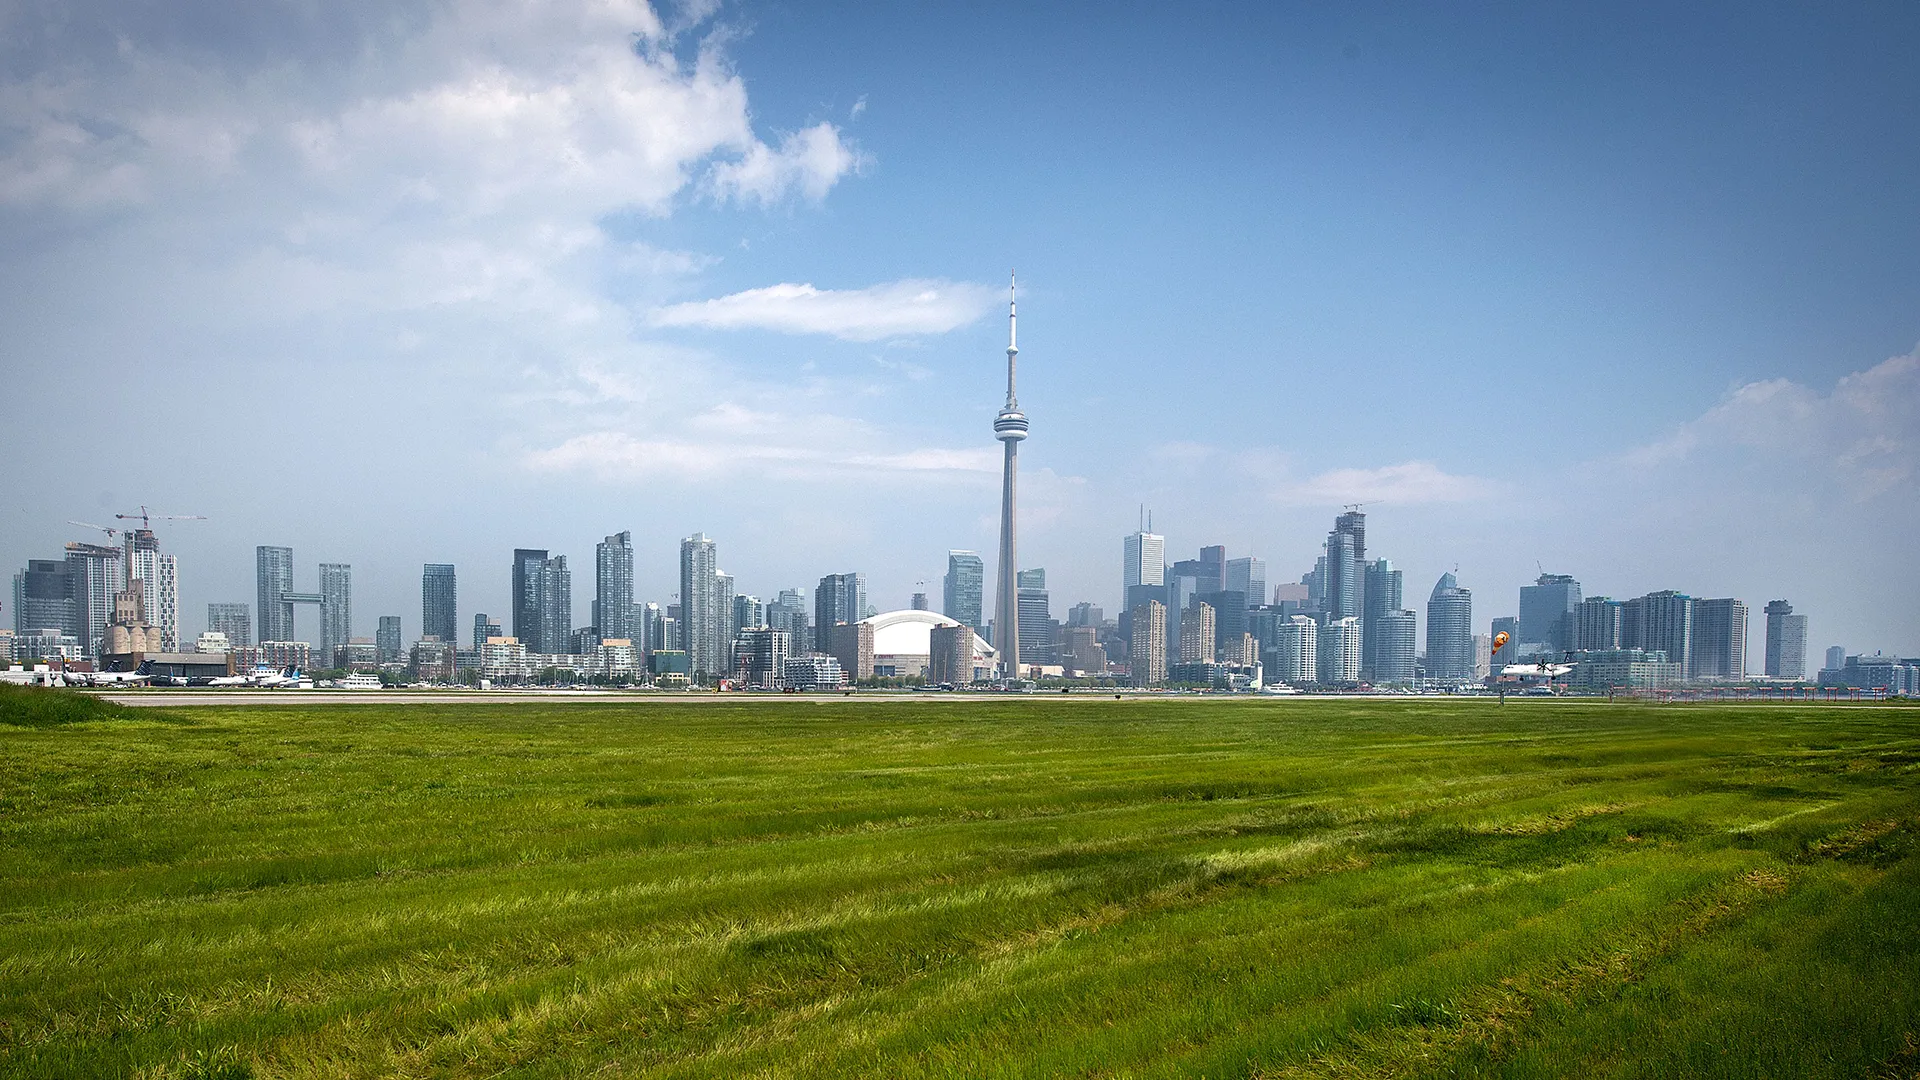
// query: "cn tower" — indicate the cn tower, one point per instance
point(1009, 427)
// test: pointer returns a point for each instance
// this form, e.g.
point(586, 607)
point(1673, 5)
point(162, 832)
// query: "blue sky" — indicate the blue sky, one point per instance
point(1632, 294)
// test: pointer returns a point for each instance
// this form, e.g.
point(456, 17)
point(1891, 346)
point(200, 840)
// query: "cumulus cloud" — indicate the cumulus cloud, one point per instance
point(881, 311)
point(1863, 436)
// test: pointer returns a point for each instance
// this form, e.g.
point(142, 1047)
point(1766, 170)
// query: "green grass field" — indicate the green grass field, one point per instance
point(1042, 888)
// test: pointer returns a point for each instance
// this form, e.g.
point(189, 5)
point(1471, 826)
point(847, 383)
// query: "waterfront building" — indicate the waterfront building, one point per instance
point(1597, 624)
point(1382, 591)
point(613, 587)
point(1660, 622)
point(1296, 651)
point(838, 600)
point(703, 622)
point(1450, 649)
point(813, 672)
point(336, 606)
point(273, 576)
point(1786, 642)
point(556, 606)
point(1394, 652)
point(387, 639)
point(765, 653)
point(233, 621)
point(529, 597)
point(1600, 671)
point(484, 627)
point(852, 645)
point(1339, 652)
point(281, 655)
point(1717, 645)
point(433, 660)
point(439, 602)
point(950, 654)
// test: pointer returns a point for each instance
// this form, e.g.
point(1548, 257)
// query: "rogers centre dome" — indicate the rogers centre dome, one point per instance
point(903, 640)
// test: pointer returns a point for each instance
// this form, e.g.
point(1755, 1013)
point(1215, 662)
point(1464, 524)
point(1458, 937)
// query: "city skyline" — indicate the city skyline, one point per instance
point(1645, 313)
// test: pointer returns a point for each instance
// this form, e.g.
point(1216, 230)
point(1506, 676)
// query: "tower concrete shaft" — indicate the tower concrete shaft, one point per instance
point(1010, 427)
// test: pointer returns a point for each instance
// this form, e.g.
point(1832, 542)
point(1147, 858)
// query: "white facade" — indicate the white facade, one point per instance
point(1144, 561)
point(159, 591)
point(1339, 648)
point(1296, 653)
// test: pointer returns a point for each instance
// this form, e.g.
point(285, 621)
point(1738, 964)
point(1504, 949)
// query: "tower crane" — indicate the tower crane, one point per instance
point(111, 533)
point(147, 518)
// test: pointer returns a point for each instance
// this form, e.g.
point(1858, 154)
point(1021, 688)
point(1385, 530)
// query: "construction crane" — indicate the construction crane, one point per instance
point(147, 518)
point(111, 533)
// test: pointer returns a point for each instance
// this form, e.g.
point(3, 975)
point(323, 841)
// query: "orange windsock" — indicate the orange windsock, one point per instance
point(1499, 640)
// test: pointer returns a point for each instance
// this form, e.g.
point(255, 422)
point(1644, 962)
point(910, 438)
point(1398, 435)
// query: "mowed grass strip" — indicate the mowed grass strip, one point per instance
point(1019, 888)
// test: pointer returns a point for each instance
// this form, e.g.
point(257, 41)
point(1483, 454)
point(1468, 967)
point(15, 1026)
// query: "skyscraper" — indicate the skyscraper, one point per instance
point(1718, 644)
point(386, 639)
point(1248, 576)
point(43, 598)
point(702, 623)
point(273, 575)
point(1339, 652)
point(1212, 570)
point(439, 603)
point(96, 574)
point(159, 579)
point(1382, 591)
point(233, 621)
point(556, 606)
point(1393, 651)
point(1786, 642)
point(1149, 643)
point(613, 587)
point(336, 607)
point(837, 601)
point(963, 588)
point(1660, 622)
point(1344, 577)
point(1547, 611)
point(1036, 618)
point(529, 597)
point(1143, 560)
point(1010, 427)
point(485, 627)
point(1197, 633)
point(1597, 624)
point(1450, 632)
point(1296, 650)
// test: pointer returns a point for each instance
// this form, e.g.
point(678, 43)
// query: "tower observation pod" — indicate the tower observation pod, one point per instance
point(1010, 427)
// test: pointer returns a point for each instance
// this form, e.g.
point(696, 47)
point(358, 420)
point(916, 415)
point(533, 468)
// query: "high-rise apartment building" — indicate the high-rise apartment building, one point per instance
point(273, 576)
point(1395, 634)
point(484, 627)
point(1718, 646)
point(837, 601)
point(336, 607)
point(439, 603)
point(1547, 610)
point(529, 597)
point(1450, 655)
point(159, 579)
point(788, 612)
point(703, 623)
point(1597, 624)
point(1382, 591)
point(556, 606)
point(1197, 633)
point(1036, 618)
point(386, 639)
point(1836, 656)
point(613, 587)
point(1344, 579)
point(950, 655)
point(1339, 652)
point(1660, 622)
point(96, 573)
point(232, 620)
point(1149, 643)
point(963, 591)
point(1786, 642)
point(1296, 651)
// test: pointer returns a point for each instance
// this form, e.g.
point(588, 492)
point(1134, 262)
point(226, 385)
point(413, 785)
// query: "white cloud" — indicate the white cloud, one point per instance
point(1407, 483)
point(623, 458)
point(1864, 436)
point(880, 311)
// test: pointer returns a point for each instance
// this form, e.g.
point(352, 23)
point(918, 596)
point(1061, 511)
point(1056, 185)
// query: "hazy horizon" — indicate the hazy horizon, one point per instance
point(1628, 294)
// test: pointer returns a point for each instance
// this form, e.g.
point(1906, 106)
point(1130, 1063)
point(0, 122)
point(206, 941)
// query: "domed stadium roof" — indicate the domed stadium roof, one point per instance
point(910, 633)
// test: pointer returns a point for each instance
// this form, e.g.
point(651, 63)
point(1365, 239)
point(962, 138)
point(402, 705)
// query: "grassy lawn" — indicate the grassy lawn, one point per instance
point(1029, 888)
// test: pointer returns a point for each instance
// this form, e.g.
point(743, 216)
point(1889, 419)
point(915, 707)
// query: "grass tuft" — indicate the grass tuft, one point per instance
point(45, 706)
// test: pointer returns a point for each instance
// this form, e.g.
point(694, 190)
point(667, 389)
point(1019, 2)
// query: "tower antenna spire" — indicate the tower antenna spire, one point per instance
point(1010, 427)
